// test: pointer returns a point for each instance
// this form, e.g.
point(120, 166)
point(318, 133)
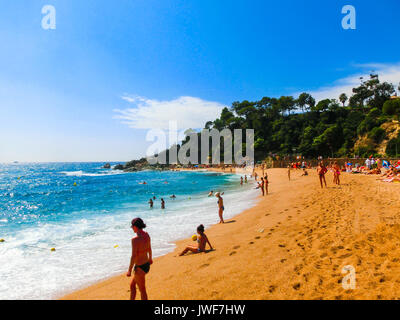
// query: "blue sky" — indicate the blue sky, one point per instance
point(92, 88)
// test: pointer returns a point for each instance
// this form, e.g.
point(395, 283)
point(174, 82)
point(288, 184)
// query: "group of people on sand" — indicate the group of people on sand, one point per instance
point(263, 184)
point(322, 170)
point(141, 258)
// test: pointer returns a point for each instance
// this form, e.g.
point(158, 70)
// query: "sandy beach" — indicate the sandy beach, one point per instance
point(292, 245)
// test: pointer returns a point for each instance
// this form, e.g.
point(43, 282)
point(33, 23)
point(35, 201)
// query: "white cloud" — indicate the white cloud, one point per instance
point(386, 72)
point(188, 112)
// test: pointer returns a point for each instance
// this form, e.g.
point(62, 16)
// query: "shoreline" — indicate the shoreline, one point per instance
point(293, 244)
point(238, 171)
point(75, 295)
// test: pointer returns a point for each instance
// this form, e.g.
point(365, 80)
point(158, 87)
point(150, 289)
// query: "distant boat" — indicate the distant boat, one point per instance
point(15, 162)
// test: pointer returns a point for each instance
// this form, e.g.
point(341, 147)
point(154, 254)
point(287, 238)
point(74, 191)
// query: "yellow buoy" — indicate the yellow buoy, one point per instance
point(75, 184)
point(194, 237)
point(2, 240)
point(53, 249)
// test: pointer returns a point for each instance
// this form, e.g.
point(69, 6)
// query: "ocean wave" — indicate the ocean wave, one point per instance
point(81, 173)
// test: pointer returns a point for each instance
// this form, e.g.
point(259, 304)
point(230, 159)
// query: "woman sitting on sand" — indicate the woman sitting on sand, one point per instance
point(221, 207)
point(202, 241)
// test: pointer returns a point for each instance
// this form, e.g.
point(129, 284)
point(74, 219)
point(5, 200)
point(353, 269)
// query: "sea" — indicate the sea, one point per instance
point(66, 226)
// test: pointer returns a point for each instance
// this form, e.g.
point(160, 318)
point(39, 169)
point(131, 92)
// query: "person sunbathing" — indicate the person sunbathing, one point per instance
point(202, 241)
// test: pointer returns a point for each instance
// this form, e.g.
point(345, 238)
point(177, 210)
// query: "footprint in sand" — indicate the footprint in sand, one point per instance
point(204, 266)
point(237, 247)
point(271, 289)
point(232, 253)
point(257, 238)
point(251, 242)
point(214, 293)
point(296, 286)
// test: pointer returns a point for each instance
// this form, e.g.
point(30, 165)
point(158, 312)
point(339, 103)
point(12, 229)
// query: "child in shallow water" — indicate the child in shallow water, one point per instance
point(202, 241)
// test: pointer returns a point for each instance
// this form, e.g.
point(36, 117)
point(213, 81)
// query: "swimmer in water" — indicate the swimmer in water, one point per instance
point(211, 193)
point(173, 196)
point(151, 203)
point(162, 203)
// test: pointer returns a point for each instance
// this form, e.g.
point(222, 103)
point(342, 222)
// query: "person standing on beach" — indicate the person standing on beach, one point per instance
point(221, 207)
point(288, 172)
point(255, 176)
point(336, 172)
point(321, 170)
point(261, 186)
point(266, 184)
point(141, 259)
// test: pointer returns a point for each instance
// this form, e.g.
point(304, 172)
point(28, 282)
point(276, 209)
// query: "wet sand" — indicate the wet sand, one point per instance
point(292, 245)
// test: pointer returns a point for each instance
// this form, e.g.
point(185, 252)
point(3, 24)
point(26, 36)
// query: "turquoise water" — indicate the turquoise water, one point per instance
point(84, 212)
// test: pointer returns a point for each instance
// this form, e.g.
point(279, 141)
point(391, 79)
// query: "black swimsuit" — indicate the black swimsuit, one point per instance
point(145, 267)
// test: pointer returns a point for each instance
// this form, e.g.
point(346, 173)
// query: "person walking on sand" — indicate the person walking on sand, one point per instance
point(202, 241)
point(288, 172)
point(321, 170)
point(221, 207)
point(141, 259)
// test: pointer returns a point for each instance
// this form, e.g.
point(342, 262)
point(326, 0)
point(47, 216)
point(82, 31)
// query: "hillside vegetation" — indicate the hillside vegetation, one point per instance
point(364, 124)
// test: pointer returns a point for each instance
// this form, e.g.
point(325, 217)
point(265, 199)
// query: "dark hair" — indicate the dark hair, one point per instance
point(200, 228)
point(138, 223)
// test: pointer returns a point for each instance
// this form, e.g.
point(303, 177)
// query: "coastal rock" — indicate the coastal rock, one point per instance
point(107, 166)
point(119, 167)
